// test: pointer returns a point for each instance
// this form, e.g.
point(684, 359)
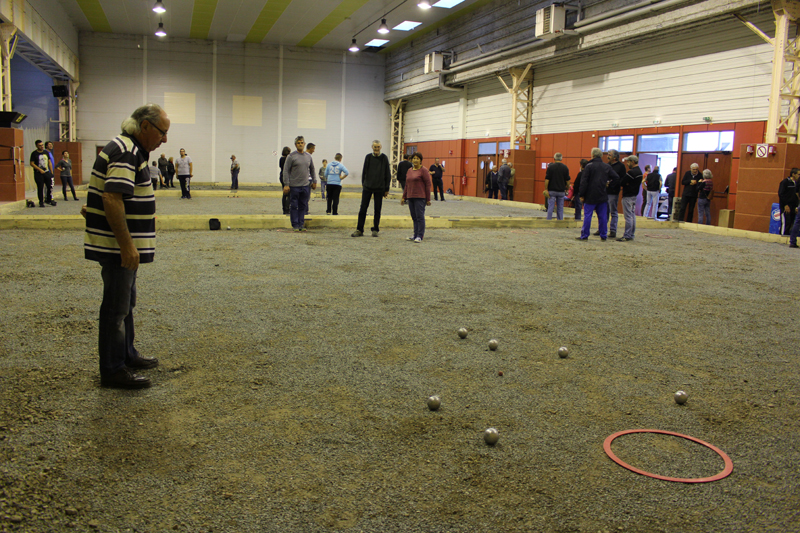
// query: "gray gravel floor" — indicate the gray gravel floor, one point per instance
point(290, 397)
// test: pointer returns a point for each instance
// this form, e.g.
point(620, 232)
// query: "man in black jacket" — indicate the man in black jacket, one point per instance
point(670, 183)
point(594, 193)
point(788, 200)
point(376, 179)
point(614, 188)
point(631, 182)
point(437, 172)
point(402, 170)
point(689, 194)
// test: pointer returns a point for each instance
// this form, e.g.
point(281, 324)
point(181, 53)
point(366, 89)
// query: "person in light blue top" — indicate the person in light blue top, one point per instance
point(335, 172)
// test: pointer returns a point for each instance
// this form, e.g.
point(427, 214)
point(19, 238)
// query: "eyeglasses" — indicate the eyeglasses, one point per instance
point(162, 132)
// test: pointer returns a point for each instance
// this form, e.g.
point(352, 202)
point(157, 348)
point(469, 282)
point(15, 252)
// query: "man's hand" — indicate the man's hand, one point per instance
point(83, 210)
point(546, 194)
point(693, 182)
point(313, 185)
point(286, 189)
point(582, 200)
point(787, 209)
point(428, 202)
point(403, 201)
point(130, 257)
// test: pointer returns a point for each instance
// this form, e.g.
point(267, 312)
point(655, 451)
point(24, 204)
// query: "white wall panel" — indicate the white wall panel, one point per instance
point(114, 84)
point(488, 109)
point(432, 117)
point(676, 80)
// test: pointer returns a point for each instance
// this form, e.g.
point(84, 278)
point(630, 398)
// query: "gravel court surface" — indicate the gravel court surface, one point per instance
point(295, 368)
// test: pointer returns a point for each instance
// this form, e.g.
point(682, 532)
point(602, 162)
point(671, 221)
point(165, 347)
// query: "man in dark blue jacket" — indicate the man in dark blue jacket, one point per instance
point(594, 193)
point(376, 179)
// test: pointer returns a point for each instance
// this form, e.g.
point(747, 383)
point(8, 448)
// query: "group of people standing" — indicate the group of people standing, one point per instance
point(163, 173)
point(44, 165)
point(500, 181)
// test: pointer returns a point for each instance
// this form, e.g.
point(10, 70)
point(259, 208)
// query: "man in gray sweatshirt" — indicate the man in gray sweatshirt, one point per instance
point(296, 171)
point(376, 178)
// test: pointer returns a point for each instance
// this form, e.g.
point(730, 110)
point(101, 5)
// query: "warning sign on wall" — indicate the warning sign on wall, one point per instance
point(762, 150)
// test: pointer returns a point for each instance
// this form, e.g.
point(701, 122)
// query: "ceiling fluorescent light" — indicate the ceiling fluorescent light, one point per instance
point(160, 30)
point(377, 42)
point(447, 4)
point(406, 25)
point(424, 4)
point(159, 7)
point(383, 28)
point(354, 47)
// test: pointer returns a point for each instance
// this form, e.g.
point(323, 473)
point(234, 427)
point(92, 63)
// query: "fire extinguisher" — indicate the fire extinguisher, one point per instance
point(464, 180)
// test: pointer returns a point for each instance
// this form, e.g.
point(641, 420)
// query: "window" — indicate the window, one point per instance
point(708, 141)
point(663, 142)
point(504, 146)
point(487, 148)
point(620, 143)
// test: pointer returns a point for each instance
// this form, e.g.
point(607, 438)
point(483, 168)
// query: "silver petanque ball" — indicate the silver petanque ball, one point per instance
point(563, 352)
point(462, 332)
point(229, 227)
point(434, 402)
point(493, 344)
point(491, 436)
point(681, 397)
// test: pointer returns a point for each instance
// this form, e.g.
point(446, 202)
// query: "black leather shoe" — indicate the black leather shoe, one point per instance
point(612, 234)
point(596, 233)
point(125, 379)
point(793, 246)
point(603, 239)
point(142, 362)
point(581, 238)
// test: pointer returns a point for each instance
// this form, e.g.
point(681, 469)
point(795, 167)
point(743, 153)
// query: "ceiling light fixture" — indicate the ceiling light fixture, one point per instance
point(383, 28)
point(424, 4)
point(159, 7)
point(354, 47)
point(160, 30)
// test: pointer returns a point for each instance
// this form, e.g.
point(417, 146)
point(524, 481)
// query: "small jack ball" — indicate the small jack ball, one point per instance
point(563, 352)
point(434, 403)
point(493, 344)
point(229, 227)
point(462, 332)
point(500, 373)
point(681, 397)
point(491, 436)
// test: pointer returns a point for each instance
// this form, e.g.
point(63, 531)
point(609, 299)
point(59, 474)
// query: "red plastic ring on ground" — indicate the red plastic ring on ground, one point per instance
point(725, 471)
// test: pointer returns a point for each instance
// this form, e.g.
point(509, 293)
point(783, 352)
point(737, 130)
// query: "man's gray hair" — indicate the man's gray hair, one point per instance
point(376, 141)
point(597, 152)
point(707, 175)
point(505, 161)
point(558, 156)
point(613, 154)
point(633, 159)
point(694, 165)
point(149, 112)
point(299, 138)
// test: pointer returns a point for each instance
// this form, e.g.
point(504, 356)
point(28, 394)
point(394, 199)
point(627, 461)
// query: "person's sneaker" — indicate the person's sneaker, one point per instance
point(624, 239)
point(793, 246)
point(298, 230)
point(303, 229)
point(41, 205)
point(417, 240)
point(596, 233)
point(612, 234)
point(412, 238)
point(357, 233)
point(374, 233)
point(327, 212)
point(581, 238)
point(125, 379)
point(603, 239)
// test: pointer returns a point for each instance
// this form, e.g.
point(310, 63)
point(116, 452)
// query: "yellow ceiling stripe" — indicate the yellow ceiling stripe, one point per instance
point(266, 19)
point(202, 16)
point(339, 14)
point(95, 15)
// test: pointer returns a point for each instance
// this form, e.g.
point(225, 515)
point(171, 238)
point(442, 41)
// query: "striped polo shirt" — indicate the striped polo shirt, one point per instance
point(121, 168)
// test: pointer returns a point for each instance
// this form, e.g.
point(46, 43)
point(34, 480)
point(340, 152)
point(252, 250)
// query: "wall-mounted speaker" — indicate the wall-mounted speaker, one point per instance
point(60, 91)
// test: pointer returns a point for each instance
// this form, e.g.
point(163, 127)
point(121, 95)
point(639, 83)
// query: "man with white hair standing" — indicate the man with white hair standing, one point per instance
point(690, 183)
point(556, 183)
point(120, 235)
point(376, 179)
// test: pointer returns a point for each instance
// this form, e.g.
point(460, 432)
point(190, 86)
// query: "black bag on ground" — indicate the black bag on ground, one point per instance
point(213, 224)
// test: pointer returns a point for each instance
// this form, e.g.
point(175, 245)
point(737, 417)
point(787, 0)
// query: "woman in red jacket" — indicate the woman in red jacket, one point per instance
point(417, 193)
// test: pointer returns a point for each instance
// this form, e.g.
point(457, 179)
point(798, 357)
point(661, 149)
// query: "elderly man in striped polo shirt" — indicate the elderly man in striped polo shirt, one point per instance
point(120, 234)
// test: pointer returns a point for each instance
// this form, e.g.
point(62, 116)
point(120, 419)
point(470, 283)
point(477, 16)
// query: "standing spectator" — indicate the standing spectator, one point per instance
point(631, 183)
point(494, 186)
point(335, 172)
point(155, 175)
point(42, 171)
point(576, 187)
point(417, 193)
point(312, 178)
point(65, 165)
point(376, 179)
point(503, 175)
point(297, 169)
point(556, 183)
point(705, 191)
point(185, 173)
point(788, 200)
point(511, 182)
point(594, 193)
point(285, 198)
point(234, 173)
point(323, 181)
point(689, 194)
point(436, 174)
point(120, 235)
point(163, 166)
point(670, 183)
point(402, 169)
point(170, 176)
point(613, 192)
point(653, 188)
point(48, 146)
point(644, 190)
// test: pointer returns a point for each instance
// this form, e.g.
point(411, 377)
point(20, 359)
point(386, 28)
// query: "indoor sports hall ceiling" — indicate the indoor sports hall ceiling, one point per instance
point(313, 23)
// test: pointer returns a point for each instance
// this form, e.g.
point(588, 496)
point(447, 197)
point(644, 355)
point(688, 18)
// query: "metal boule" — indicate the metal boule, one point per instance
point(462, 332)
point(681, 397)
point(563, 352)
point(493, 344)
point(491, 436)
point(434, 402)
